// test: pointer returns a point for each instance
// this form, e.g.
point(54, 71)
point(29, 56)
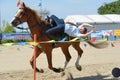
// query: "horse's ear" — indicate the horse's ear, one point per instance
point(23, 5)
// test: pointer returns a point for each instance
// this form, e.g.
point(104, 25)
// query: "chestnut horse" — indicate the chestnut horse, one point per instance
point(38, 26)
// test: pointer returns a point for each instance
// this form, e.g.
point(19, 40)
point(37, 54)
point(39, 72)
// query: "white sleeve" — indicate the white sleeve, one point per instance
point(79, 26)
point(79, 36)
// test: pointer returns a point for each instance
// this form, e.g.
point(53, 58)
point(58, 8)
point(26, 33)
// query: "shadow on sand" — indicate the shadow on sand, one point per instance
point(97, 77)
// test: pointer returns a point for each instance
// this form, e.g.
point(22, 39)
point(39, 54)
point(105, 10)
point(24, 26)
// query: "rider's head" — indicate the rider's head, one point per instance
point(83, 30)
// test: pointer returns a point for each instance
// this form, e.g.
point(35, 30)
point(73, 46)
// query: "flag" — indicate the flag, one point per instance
point(93, 39)
point(18, 3)
point(112, 45)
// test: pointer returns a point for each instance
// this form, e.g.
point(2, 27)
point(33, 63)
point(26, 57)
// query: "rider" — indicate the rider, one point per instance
point(69, 28)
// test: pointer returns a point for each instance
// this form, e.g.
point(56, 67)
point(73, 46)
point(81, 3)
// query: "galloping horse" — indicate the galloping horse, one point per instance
point(38, 26)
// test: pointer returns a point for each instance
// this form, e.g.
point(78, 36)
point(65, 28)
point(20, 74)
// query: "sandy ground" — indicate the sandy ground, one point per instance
point(97, 64)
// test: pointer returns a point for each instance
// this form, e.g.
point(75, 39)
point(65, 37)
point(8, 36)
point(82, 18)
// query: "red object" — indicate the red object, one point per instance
point(38, 43)
point(35, 51)
point(93, 39)
point(18, 3)
point(112, 45)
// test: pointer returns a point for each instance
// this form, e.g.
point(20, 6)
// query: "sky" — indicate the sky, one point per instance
point(61, 8)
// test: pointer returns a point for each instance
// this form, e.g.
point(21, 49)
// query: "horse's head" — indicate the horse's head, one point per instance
point(21, 16)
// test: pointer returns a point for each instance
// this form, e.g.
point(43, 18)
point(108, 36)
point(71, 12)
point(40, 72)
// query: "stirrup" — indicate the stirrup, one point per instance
point(48, 19)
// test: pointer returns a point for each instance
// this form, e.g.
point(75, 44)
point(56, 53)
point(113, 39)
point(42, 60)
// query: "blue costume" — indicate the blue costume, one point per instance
point(63, 28)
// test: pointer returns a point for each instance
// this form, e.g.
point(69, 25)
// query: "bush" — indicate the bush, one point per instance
point(13, 41)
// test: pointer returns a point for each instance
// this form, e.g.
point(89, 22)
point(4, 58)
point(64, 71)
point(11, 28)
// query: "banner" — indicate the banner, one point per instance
point(102, 33)
point(97, 34)
point(0, 36)
point(107, 32)
point(117, 32)
point(15, 36)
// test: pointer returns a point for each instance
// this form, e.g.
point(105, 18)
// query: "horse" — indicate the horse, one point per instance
point(38, 25)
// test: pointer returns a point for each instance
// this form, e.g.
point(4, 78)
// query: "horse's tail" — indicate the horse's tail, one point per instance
point(98, 45)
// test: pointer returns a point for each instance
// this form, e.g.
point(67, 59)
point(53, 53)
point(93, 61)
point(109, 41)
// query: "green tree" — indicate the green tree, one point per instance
point(7, 28)
point(110, 8)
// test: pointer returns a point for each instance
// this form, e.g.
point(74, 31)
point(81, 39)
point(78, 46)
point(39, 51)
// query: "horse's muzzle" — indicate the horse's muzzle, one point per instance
point(15, 22)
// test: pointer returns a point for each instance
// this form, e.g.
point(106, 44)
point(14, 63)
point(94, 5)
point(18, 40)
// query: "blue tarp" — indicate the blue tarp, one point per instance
point(21, 43)
point(97, 34)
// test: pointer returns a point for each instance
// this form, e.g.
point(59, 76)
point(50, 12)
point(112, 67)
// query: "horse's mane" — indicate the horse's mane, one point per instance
point(37, 16)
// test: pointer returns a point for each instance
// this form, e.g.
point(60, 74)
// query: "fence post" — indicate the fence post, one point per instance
point(35, 48)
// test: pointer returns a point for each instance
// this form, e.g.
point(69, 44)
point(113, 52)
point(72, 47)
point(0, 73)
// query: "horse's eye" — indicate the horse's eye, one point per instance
point(22, 13)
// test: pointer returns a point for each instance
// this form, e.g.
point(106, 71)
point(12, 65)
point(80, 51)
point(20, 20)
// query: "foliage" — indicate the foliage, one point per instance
point(7, 28)
point(14, 41)
point(110, 8)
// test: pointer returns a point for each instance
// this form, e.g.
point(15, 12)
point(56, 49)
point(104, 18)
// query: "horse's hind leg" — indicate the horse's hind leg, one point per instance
point(67, 54)
point(79, 51)
point(32, 60)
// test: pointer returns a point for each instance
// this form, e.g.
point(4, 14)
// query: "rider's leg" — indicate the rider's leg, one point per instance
point(57, 20)
point(59, 29)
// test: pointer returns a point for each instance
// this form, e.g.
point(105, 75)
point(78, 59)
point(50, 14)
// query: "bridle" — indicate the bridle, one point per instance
point(24, 13)
point(20, 22)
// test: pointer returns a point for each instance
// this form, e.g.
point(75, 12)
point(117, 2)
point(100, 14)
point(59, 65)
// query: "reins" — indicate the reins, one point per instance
point(21, 28)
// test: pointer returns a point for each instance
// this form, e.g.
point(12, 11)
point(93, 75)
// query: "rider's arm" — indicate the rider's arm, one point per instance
point(87, 25)
point(71, 23)
point(86, 34)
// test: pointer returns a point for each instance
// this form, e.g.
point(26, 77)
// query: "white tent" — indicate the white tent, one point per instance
point(102, 22)
point(99, 19)
point(114, 18)
point(109, 18)
point(78, 19)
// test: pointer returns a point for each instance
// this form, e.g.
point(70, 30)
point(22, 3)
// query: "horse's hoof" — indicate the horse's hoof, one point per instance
point(41, 70)
point(62, 74)
point(61, 69)
point(58, 70)
point(78, 67)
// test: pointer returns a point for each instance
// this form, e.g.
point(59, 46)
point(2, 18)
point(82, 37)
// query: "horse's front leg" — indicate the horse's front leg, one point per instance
point(38, 52)
point(48, 52)
point(79, 51)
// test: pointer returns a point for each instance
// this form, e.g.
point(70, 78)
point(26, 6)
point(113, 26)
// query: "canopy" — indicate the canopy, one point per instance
point(94, 19)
